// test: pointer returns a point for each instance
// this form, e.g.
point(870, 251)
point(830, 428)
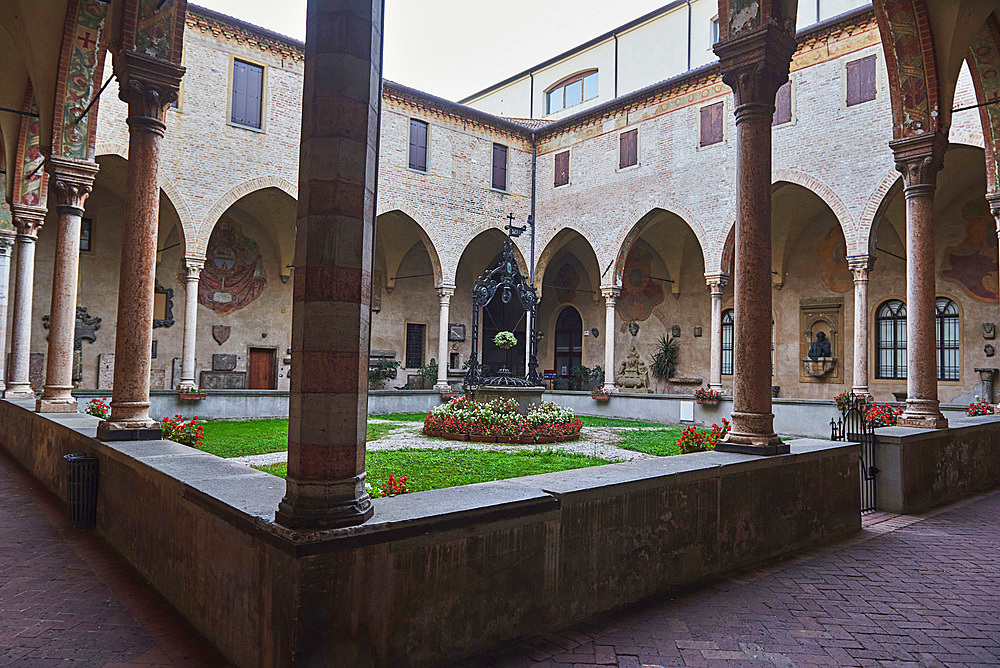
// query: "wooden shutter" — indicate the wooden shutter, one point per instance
point(239, 110)
point(783, 105)
point(629, 149)
point(562, 169)
point(499, 166)
point(711, 124)
point(248, 84)
point(861, 80)
point(418, 145)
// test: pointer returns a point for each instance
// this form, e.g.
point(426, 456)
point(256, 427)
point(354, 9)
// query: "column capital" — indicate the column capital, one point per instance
point(28, 219)
point(6, 242)
point(716, 281)
point(72, 182)
point(861, 265)
point(193, 266)
point(148, 86)
point(919, 159)
point(611, 293)
point(445, 292)
point(755, 65)
point(994, 201)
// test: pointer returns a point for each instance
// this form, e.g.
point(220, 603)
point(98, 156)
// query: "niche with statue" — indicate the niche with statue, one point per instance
point(821, 346)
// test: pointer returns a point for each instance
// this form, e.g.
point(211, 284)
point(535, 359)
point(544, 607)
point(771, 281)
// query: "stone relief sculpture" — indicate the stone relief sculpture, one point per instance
point(632, 372)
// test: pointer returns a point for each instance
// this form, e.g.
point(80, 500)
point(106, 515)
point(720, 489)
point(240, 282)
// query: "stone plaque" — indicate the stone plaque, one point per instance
point(175, 372)
point(223, 362)
point(697, 332)
point(157, 379)
point(221, 333)
point(223, 380)
point(456, 331)
point(36, 370)
point(106, 371)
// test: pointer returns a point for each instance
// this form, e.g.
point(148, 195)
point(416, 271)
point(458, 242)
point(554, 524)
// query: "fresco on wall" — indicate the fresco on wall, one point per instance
point(640, 293)
point(154, 35)
point(568, 280)
point(234, 271)
point(32, 176)
point(5, 214)
point(832, 254)
point(972, 263)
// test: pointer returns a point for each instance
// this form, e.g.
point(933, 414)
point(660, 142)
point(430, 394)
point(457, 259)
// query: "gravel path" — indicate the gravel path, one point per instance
point(594, 441)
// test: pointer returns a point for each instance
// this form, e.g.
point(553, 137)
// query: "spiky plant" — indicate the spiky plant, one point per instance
point(664, 360)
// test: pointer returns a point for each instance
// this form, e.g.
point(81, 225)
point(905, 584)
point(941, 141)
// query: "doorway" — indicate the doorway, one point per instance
point(263, 369)
point(569, 345)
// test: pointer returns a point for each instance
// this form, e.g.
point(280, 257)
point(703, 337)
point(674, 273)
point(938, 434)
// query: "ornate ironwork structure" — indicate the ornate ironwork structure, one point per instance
point(504, 281)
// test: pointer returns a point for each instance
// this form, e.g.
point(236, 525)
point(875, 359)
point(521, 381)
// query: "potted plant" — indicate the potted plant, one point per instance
point(191, 393)
point(707, 397)
point(505, 340)
point(600, 394)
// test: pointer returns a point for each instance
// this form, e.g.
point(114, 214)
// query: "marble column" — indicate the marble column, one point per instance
point(919, 159)
point(148, 87)
point(191, 281)
point(70, 182)
point(444, 299)
point(860, 266)
point(331, 310)
point(27, 221)
point(6, 245)
point(754, 65)
point(715, 284)
point(610, 299)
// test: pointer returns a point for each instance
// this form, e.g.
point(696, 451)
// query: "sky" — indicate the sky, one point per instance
point(453, 48)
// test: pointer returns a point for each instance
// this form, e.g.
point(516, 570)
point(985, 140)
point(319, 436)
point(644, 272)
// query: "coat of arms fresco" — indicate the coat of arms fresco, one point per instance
point(234, 271)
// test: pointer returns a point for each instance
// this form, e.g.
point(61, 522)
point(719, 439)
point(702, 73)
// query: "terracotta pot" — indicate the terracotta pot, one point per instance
point(708, 402)
point(601, 397)
point(482, 439)
point(545, 439)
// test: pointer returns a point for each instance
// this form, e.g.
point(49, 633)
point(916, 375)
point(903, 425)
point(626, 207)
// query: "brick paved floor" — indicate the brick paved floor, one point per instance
point(67, 599)
point(906, 591)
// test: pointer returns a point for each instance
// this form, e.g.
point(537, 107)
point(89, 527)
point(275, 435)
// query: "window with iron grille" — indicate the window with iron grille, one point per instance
point(783, 105)
point(890, 340)
point(248, 86)
point(727, 342)
point(418, 145)
point(499, 166)
point(415, 345)
point(628, 150)
point(711, 124)
point(562, 169)
point(947, 339)
point(861, 83)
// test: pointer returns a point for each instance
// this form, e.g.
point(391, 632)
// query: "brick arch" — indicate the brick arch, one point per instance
point(628, 238)
point(426, 240)
point(554, 245)
point(984, 67)
point(498, 233)
point(204, 231)
point(872, 211)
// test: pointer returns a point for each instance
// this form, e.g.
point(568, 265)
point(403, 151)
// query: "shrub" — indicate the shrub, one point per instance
point(394, 486)
point(698, 440)
point(98, 408)
point(382, 370)
point(882, 416)
point(186, 432)
point(500, 417)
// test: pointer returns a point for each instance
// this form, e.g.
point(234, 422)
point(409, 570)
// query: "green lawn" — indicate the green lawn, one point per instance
point(400, 417)
point(434, 469)
point(591, 421)
point(256, 437)
point(659, 442)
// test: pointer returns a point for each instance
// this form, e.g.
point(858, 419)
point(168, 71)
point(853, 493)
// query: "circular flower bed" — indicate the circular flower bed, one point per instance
point(498, 421)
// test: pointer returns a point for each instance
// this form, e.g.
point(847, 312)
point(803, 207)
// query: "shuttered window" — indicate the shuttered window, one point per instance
point(783, 105)
point(248, 83)
point(562, 169)
point(861, 80)
point(628, 154)
point(418, 145)
point(415, 345)
point(499, 166)
point(711, 124)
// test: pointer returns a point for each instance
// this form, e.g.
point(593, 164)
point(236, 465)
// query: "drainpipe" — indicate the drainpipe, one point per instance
point(534, 170)
point(616, 64)
point(531, 99)
point(689, 35)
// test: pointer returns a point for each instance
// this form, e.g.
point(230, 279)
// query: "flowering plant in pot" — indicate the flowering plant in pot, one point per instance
point(847, 400)
point(505, 340)
point(979, 407)
point(698, 440)
point(883, 416)
point(707, 396)
point(98, 407)
point(191, 393)
point(600, 394)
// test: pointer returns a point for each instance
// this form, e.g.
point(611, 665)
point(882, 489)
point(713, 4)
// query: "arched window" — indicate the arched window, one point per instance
point(946, 338)
point(727, 342)
point(571, 91)
point(890, 340)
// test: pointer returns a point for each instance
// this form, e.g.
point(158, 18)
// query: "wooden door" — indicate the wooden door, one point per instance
point(263, 372)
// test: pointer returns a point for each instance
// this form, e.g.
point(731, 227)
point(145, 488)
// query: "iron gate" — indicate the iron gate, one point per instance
point(854, 427)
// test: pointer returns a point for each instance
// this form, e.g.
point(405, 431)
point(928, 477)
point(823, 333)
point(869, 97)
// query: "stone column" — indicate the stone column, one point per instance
point(194, 267)
point(754, 65)
point(27, 221)
point(610, 299)
point(715, 284)
point(328, 406)
point(6, 244)
point(444, 299)
point(71, 182)
point(994, 200)
point(860, 266)
point(148, 87)
point(918, 159)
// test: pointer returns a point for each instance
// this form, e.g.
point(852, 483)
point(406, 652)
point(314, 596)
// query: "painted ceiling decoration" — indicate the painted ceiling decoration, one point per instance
point(84, 48)
point(909, 54)
point(984, 66)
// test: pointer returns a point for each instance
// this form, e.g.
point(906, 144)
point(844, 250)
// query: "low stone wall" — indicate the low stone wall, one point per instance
point(442, 574)
point(923, 468)
point(244, 404)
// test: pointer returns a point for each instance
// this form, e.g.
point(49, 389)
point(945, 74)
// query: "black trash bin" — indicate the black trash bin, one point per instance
point(81, 489)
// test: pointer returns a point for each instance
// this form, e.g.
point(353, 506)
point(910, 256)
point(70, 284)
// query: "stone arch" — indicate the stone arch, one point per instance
point(424, 238)
point(204, 231)
point(984, 67)
point(497, 234)
point(628, 239)
point(554, 245)
point(873, 211)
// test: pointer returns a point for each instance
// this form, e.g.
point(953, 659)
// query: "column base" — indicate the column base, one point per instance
point(56, 406)
point(129, 431)
point(187, 385)
point(315, 506)
point(923, 422)
point(761, 441)
point(922, 414)
point(19, 392)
